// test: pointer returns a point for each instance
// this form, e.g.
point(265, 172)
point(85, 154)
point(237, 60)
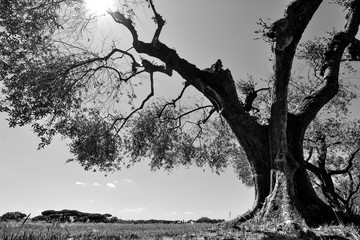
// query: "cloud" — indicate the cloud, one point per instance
point(133, 210)
point(80, 183)
point(96, 184)
point(111, 185)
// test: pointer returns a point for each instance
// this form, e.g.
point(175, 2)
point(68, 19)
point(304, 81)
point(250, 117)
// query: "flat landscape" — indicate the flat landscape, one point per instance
point(184, 231)
point(72, 231)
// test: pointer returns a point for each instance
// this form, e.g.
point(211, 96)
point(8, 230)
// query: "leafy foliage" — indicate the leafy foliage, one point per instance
point(93, 142)
point(157, 134)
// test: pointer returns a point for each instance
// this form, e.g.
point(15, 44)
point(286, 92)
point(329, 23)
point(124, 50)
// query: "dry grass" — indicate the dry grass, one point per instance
point(249, 231)
point(74, 231)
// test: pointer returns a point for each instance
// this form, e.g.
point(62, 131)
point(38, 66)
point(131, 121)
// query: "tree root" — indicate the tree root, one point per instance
point(233, 224)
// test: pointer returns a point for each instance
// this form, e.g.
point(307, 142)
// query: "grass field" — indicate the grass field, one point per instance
point(74, 231)
point(186, 231)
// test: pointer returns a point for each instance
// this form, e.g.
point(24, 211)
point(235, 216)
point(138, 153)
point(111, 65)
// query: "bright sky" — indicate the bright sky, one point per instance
point(201, 31)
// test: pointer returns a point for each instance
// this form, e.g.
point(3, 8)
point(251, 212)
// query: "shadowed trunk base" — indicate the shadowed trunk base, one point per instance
point(234, 223)
point(291, 208)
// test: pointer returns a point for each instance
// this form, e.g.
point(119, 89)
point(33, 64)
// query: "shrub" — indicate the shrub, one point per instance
point(13, 216)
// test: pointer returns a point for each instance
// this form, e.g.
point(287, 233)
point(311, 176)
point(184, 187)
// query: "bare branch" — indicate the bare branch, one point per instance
point(128, 23)
point(208, 116)
point(178, 118)
point(105, 58)
point(348, 167)
point(151, 69)
point(173, 102)
point(311, 105)
point(158, 20)
point(313, 169)
point(310, 154)
point(151, 94)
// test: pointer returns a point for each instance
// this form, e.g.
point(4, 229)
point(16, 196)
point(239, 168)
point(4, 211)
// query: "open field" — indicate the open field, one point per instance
point(74, 231)
point(186, 231)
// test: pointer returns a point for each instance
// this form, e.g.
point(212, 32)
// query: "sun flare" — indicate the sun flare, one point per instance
point(98, 7)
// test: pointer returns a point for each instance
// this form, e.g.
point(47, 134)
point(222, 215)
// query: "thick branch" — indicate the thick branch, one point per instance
point(309, 154)
point(120, 18)
point(220, 82)
point(158, 20)
point(218, 86)
point(315, 170)
point(312, 104)
point(286, 33)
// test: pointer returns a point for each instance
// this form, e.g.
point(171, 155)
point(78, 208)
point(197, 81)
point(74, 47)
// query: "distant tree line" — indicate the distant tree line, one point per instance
point(71, 216)
point(12, 216)
point(77, 216)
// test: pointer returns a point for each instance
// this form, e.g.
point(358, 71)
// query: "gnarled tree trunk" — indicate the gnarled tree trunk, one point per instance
point(291, 195)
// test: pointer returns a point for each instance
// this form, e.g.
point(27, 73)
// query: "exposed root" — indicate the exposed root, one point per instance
point(234, 223)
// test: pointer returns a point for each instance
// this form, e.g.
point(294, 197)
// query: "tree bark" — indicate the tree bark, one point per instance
point(256, 146)
point(292, 198)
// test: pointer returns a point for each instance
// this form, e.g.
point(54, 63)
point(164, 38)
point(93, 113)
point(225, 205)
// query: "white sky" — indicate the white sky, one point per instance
point(201, 31)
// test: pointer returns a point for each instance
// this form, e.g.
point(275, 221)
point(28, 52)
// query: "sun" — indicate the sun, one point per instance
point(98, 7)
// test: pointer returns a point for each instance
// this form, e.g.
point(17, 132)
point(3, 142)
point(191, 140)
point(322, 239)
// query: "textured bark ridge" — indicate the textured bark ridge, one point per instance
point(283, 191)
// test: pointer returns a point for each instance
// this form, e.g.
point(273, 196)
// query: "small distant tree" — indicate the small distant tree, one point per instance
point(13, 216)
point(208, 220)
point(113, 219)
point(41, 218)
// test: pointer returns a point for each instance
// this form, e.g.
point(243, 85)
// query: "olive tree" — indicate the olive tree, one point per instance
point(52, 81)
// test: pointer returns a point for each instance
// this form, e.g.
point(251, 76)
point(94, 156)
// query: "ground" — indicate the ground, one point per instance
point(249, 231)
